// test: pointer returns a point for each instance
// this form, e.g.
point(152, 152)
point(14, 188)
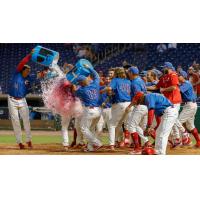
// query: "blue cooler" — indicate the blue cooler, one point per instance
point(79, 69)
point(44, 56)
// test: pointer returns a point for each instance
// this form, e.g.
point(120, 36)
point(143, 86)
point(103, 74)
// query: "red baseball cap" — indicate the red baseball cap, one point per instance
point(137, 97)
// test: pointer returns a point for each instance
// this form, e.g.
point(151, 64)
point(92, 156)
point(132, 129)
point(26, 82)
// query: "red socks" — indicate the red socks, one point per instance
point(195, 134)
point(153, 134)
point(135, 138)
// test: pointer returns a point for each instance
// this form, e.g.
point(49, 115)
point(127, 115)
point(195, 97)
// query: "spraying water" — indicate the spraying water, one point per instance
point(58, 97)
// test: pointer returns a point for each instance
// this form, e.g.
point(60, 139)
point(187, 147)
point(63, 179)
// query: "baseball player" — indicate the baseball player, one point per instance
point(152, 78)
point(187, 115)
point(137, 120)
point(17, 105)
point(160, 106)
point(121, 89)
point(89, 95)
point(169, 86)
point(105, 107)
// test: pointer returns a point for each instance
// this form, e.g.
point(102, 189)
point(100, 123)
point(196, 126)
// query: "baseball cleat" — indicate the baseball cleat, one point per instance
point(30, 146)
point(186, 141)
point(79, 146)
point(96, 148)
point(122, 144)
point(73, 144)
point(197, 145)
point(148, 151)
point(136, 151)
point(127, 142)
point(177, 143)
point(111, 148)
point(21, 146)
point(66, 148)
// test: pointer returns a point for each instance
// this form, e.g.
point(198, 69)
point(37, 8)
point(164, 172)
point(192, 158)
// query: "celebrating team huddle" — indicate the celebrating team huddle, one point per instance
point(141, 110)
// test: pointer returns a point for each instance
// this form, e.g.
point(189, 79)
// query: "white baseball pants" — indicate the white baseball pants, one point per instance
point(104, 120)
point(177, 128)
point(115, 124)
point(65, 134)
point(187, 115)
point(137, 121)
point(79, 139)
point(16, 108)
point(88, 123)
point(168, 120)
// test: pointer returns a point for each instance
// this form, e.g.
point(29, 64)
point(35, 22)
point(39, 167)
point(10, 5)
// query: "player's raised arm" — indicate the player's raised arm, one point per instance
point(94, 74)
point(24, 61)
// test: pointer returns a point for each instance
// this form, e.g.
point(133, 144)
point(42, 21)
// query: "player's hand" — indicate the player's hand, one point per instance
point(162, 90)
point(74, 88)
point(32, 51)
point(103, 105)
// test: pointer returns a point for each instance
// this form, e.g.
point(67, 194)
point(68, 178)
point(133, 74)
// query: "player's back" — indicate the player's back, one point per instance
point(122, 90)
point(137, 85)
point(89, 94)
point(157, 102)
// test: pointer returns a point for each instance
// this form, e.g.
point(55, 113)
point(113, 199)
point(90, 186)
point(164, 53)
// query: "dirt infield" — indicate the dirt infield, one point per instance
point(57, 149)
point(43, 148)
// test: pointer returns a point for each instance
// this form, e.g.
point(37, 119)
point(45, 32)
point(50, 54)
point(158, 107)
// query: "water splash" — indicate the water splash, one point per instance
point(58, 97)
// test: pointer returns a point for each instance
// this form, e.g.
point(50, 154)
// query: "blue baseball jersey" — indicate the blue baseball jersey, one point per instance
point(151, 83)
point(187, 92)
point(137, 85)
point(148, 84)
point(19, 86)
point(89, 94)
point(103, 97)
point(158, 102)
point(122, 90)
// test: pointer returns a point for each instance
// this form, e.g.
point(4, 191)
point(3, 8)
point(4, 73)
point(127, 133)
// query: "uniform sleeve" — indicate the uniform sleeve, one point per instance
point(184, 87)
point(95, 75)
point(23, 62)
point(174, 79)
point(113, 84)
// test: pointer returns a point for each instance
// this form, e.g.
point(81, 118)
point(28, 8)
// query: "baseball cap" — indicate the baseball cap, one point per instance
point(169, 66)
point(183, 73)
point(137, 97)
point(81, 78)
point(143, 73)
point(134, 70)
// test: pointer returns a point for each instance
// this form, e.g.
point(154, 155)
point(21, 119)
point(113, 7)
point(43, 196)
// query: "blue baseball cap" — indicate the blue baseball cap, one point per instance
point(81, 78)
point(169, 66)
point(183, 74)
point(134, 70)
point(143, 73)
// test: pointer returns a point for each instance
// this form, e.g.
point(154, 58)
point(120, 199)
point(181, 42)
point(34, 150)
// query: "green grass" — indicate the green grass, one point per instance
point(37, 139)
point(41, 139)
